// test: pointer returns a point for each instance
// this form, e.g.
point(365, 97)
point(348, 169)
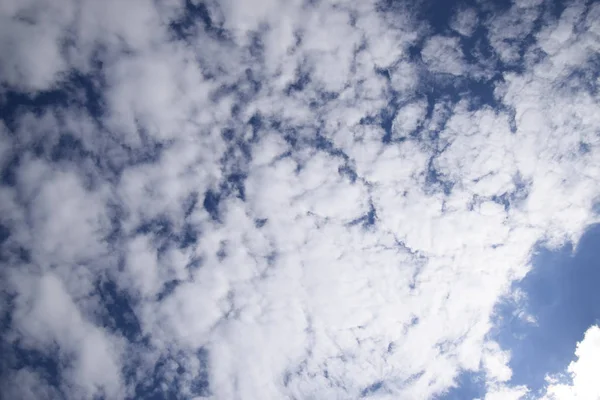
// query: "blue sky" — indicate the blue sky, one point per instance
point(268, 199)
point(562, 296)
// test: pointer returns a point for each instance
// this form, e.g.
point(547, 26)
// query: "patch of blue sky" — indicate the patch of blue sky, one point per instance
point(562, 296)
point(469, 385)
point(559, 301)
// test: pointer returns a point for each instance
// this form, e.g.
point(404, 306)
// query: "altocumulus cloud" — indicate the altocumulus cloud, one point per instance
point(286, 199)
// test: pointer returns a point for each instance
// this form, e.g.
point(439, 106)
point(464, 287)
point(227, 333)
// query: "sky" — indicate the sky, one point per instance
point(299, 199)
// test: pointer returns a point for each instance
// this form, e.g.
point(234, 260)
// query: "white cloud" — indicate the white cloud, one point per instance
point(581, 372)
point(67, 221)
point(409, 117)
point(465, 21)
point(506, 393)
point(331, 264)
point(508, 30)
point(30, 48)
point(443, 54)
point(46, 316)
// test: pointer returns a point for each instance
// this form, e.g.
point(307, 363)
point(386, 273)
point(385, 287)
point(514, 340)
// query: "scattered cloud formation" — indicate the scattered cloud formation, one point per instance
point(271, 200)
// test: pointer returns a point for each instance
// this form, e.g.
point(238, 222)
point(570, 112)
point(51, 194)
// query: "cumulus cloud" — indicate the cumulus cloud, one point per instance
point(443, 55)
point(409, 117)
point(581, 372)
point(30, 46)
point(265, 200)
point(45, 316)
point(465, 21)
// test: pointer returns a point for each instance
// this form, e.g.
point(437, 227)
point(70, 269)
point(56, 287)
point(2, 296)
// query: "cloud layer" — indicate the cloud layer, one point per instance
point(268, 200)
